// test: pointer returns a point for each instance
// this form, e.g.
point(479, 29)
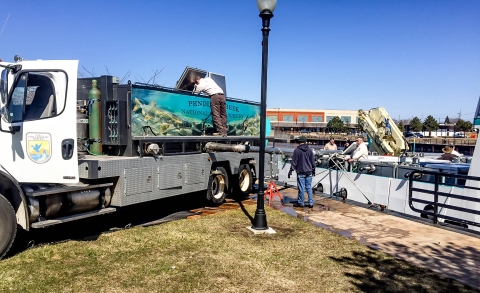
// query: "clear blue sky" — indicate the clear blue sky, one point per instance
point(413, 57)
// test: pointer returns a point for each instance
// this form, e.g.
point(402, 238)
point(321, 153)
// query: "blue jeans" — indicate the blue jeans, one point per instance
point(304, 182)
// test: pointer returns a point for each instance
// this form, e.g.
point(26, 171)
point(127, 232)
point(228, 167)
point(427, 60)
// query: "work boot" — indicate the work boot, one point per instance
point(297, 205)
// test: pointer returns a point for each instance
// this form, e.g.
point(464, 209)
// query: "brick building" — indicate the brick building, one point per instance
point(306, 119)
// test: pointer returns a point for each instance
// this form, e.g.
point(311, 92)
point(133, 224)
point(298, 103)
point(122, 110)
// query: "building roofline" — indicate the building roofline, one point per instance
point(305, 110)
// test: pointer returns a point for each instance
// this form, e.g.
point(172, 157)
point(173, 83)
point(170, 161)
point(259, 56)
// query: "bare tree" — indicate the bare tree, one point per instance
point(140, 78)
point(106, 68)
point(155, 74)
point(151, 80)
point(90, 72)
point(126, 76)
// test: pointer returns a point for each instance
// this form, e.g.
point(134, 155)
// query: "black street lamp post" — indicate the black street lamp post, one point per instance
point(266, 8)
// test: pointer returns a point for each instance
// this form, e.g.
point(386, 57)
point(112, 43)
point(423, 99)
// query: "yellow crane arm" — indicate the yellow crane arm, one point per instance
point(387, 139)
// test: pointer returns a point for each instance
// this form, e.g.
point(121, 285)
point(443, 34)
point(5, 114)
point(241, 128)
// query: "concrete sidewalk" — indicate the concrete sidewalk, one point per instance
point(449, 253)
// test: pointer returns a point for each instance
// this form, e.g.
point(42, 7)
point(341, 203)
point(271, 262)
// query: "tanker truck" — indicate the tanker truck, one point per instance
point(73, 148)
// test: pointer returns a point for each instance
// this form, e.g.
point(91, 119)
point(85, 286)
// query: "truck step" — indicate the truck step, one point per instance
point(63, 189)
point(47, 223)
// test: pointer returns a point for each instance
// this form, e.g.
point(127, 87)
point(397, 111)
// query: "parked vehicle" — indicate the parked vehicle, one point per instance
point(459, 135)
point(304, 131)
point(135, 143)
point(409, 134)
point(418, 134)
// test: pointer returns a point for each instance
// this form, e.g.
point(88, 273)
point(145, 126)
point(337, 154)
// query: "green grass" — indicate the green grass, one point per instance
point(216, 254)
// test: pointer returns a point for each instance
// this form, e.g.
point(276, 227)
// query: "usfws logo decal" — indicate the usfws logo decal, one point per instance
point(39, 147)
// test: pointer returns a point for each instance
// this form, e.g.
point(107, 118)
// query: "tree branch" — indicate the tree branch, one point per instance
point(106, 68)
point(141, 79)
point(91, 73)
point(126, 76)
point(155, 74)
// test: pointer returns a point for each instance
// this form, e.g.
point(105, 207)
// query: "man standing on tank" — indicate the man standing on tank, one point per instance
point(303, 162)
point(217, 103)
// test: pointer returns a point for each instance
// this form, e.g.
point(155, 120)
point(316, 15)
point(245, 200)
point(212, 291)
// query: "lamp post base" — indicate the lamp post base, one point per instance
point(260, 219)
point(260, 232)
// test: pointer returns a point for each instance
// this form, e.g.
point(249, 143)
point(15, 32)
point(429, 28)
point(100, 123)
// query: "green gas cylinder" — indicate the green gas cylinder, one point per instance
point(94, 119)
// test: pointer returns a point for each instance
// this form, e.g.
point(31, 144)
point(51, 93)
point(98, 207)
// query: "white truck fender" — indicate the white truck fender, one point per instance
point(14, 193)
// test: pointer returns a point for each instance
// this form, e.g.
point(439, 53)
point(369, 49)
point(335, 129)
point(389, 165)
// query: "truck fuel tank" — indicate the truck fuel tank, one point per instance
point(68, 203)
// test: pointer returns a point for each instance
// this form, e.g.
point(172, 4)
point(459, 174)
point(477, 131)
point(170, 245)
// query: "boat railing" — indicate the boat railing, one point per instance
point(443, 141)
point(437, 205)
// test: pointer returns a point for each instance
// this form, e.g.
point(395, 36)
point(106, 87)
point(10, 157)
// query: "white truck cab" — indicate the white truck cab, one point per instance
point(38, 110)
point(37, 135)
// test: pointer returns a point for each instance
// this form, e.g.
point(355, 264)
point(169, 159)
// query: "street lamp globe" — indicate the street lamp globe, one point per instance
point(266, 5)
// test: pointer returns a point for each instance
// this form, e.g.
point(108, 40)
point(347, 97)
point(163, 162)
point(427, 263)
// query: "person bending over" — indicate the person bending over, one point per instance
point(217, 103)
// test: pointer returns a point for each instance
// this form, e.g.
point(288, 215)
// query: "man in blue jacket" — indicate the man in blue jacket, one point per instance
point(303, 162)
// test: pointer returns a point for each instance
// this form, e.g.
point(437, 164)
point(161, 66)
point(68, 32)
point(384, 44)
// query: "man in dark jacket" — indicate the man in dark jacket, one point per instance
point(303, 162)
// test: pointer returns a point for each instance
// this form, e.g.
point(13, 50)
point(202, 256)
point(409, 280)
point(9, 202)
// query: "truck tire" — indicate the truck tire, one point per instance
point(8, 225)
point(217, 186)
point(242, 187)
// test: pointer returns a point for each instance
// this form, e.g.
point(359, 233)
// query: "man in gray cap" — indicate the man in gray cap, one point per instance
point(303, 162)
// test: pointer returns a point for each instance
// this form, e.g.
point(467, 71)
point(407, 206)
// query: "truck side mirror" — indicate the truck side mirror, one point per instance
point(4, 114)
point(4, 87)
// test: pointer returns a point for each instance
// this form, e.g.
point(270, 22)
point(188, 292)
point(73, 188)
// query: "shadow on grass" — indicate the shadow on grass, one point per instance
point(90, 229)
point(399, 276)
point(452, 260)
point(244, 210)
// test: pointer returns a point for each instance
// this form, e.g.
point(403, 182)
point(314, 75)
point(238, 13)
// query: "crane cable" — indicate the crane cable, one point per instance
point(348, 176)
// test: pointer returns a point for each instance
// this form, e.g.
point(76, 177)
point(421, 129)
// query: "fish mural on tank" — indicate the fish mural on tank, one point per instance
point(161, 112)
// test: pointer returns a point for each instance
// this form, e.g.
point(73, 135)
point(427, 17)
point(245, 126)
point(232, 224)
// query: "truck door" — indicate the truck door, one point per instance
point(38, 138)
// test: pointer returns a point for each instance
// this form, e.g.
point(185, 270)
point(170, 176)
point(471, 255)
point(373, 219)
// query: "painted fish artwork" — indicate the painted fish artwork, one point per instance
point(157, 112)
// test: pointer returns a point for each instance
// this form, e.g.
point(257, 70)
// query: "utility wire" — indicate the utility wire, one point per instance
point(4, 24)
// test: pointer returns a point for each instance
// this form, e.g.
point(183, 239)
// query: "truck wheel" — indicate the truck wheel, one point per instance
point(8, 225)
point(244, 182)
point(217, 186)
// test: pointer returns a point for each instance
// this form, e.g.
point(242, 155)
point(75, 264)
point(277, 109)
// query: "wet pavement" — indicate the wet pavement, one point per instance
point(450, 253)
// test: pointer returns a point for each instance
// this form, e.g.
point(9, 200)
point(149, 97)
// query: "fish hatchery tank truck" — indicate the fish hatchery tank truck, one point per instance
point(73, 147)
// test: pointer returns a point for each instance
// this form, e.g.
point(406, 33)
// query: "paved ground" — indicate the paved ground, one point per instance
point(452, 254)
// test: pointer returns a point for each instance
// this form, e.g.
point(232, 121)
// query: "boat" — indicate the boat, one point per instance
point(414, 184)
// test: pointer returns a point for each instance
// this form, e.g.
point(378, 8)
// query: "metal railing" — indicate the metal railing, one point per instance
point(444, 141)
point(436, 193)
point(282, 135)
